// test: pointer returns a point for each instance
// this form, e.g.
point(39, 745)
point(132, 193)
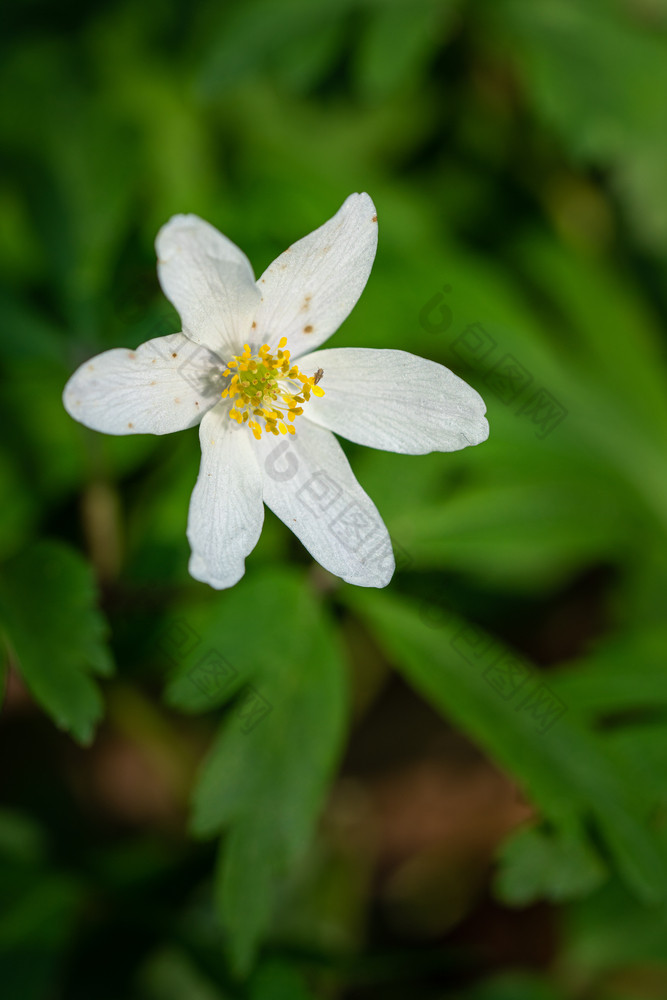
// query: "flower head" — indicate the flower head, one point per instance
point(270, 388)
point(246, 369)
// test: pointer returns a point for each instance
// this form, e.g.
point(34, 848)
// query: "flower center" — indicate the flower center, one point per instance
point(267, 387)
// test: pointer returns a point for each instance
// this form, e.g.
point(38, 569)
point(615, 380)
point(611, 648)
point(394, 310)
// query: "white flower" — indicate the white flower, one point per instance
point(266, 422)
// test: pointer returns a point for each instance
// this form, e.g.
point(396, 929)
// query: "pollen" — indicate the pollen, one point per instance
point(267, 391)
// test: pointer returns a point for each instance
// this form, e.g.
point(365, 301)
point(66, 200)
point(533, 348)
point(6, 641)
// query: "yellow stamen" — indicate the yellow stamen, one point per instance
point(270, 387)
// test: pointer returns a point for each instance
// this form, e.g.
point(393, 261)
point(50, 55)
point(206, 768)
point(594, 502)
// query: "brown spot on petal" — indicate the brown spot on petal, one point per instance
point(91, 368)
point(176, 399)
point(308, 329)
point(153, 382)
point(131, 355)
point(374, 219)
point(254, 325)
point(130, 425)
point(306, 302)
point(174, 355)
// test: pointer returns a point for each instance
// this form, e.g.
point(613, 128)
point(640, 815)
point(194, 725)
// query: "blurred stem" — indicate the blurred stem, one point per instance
point(101, 519)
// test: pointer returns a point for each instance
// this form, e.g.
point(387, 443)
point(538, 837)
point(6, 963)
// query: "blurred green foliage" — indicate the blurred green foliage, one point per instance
point(517, 155)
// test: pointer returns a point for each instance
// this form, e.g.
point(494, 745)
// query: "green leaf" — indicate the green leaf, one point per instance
point(255, 34)
point(531, 532)
point(37, 918)
point(602, 683)
point(26, 334)
point(595, 73)
point(400, 42)
point(642, 745)
point(600, 310)
point(536, 863)
point(515, 986)
point(612, 930)
point(567, 771)
point(170, 974)
point(21, 839)
point(276, 980)
point(268, 771)
point(56, 634)
point(246, 876)
point(18, 504)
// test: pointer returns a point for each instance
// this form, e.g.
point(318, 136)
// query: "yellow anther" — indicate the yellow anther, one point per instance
point(268, 386)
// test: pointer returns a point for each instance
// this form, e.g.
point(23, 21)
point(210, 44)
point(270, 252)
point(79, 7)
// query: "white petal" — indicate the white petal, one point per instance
point(394, 400)
point(311, 288)
point(226, 509)
point(309, 484)
point(166, 385)
point(209, 281)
